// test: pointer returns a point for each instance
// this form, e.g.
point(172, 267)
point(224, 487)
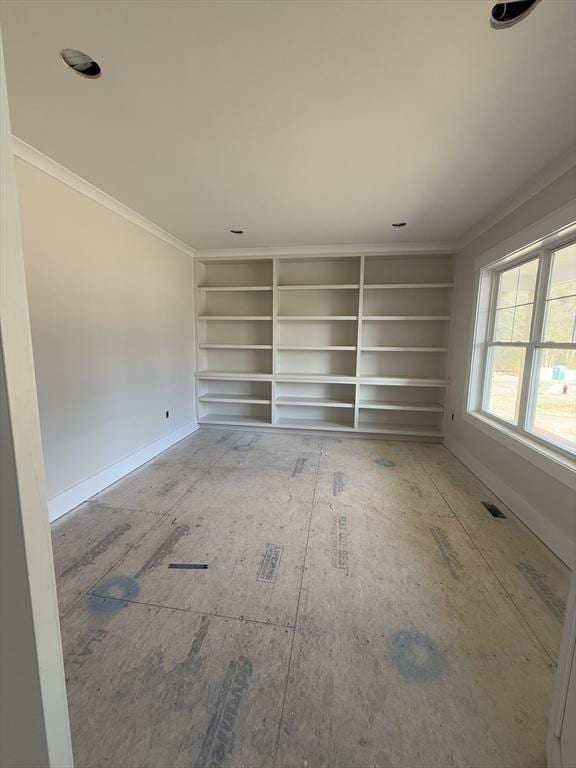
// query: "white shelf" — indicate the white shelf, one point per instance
point(305, 347)
point(235, 317)
point(302, 318)
point(406, 317)
point(240, 375)
point(385, 286)
point(329, 378)
point(223, 398)
point(403, 382)
point(312, 424)
point(412, 431)
point(404, 349)
point(235, 346)
point(384, 405)
point(317, 401)
point(235, 288)
point(236, 421)
point(335, 378)
point(349, 287)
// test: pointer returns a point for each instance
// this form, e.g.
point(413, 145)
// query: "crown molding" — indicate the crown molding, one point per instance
point(31, 155)
point(44, 163)
point(562, 165)
point(302, 251)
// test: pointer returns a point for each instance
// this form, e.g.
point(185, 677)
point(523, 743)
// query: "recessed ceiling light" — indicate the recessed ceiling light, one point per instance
point(81, 63)
point(509, 13)
point(237, 231)
point(399, 224)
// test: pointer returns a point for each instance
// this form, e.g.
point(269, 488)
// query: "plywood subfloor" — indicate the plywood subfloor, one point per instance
point(360, 609)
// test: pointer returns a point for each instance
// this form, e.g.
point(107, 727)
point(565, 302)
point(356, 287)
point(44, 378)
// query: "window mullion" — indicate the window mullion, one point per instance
point(493, 305)
point(537, 332)
point(529, 383)
point(487, 352)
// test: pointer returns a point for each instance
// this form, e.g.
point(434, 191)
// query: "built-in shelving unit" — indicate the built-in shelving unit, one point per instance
point(339, 343)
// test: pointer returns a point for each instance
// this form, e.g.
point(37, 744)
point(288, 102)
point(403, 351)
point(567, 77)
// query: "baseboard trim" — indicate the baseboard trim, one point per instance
point(529, 515)
point(67, 500)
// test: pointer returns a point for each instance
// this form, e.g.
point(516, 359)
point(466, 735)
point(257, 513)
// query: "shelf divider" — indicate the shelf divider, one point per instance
point(359, 337)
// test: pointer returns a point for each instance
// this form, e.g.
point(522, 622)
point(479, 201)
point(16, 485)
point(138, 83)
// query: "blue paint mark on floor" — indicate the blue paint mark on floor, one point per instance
point(382, 462)
point(121, 588)
point(416, 656)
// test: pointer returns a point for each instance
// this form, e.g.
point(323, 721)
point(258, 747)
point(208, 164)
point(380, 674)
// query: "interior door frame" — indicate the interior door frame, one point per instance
point(566, 662)
point(34, 709)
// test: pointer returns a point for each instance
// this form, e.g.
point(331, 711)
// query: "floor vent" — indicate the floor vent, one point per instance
point(493, 509)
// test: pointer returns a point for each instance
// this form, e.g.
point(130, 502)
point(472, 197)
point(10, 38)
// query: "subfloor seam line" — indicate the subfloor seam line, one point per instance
point(312, 504)
point(131, 546)
point(161, 518)
point(190, 610)
point(532, 631)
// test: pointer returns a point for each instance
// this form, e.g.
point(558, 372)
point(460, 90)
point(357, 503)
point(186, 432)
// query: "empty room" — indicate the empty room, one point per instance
point(288, 386)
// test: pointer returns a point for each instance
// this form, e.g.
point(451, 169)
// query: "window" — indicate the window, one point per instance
point(527, 357)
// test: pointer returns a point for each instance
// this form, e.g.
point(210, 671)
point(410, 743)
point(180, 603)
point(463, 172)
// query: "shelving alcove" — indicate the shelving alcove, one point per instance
point(339, 342)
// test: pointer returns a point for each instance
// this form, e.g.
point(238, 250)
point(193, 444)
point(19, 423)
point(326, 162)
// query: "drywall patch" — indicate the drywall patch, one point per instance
point(113, 595)
point(219, 739)
point(97, 549)
point(416, 656)
point(270, 562)
point(537, 581)
point(449, 554)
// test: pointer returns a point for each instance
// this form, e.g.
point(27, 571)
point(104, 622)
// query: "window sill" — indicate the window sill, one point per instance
point(555, 464)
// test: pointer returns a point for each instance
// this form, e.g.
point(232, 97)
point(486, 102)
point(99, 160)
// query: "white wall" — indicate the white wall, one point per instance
point(112, 328)
point(544, 503)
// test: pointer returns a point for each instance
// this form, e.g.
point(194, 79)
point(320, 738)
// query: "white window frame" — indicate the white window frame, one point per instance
point(555, 458)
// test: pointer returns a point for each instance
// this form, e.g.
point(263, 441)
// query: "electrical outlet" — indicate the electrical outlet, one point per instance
point(452, 417)
point(167, 414)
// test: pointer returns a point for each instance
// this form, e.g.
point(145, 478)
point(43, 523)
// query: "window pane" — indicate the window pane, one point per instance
point(560, 317)
point(504, 324)
point(555, 407)
point(560, 320)
point(563, 276)
point(514, 302)
point(504, 380)
point(507, 288)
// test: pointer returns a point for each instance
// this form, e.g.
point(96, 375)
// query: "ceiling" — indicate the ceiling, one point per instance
point(299, 122)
